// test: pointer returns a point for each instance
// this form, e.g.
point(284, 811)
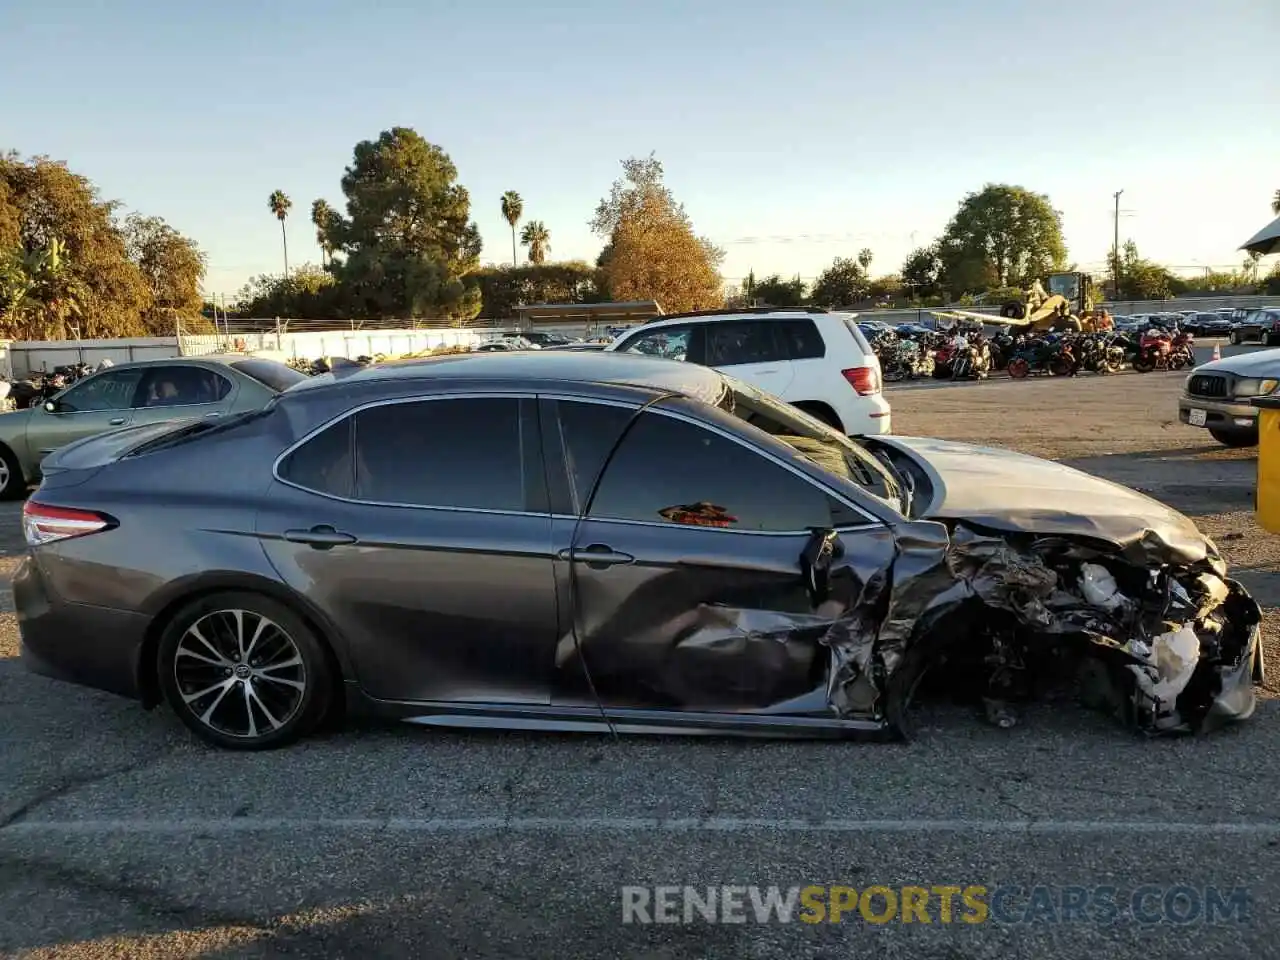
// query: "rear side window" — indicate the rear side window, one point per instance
point(324, 463)
point(733, 342)
point(672, 471)
point(464, 453)
point(801, 339)
point(269, 373)
point(858, 338)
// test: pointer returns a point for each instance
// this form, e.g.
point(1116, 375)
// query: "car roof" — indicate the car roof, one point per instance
point(224, 359)
point(550, 366)
point(746, 313)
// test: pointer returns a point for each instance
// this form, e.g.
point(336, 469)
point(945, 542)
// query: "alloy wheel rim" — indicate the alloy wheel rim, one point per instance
point(239, 673)
point(4, 475)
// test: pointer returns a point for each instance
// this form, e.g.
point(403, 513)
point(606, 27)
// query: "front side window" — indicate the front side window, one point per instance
point(671, 471)
point(670, 343)
point(742, 341)
point(113, 390)
point(463, 453)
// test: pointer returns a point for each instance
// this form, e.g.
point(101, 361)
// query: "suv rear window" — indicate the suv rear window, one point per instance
point(276, 376)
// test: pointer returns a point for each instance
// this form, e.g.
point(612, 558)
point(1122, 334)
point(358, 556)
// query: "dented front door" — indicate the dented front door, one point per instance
point(683, 583)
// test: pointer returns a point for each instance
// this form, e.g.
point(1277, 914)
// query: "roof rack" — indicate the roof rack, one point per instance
point(738, 311)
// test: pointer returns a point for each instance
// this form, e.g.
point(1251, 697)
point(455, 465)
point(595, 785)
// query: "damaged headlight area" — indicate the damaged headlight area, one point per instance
point(1166, 647)
point(1163, 644)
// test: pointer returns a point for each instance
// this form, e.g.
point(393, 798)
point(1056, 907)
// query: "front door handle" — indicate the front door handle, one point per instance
point(596, 555)
point(322, 537)
point(116, 421)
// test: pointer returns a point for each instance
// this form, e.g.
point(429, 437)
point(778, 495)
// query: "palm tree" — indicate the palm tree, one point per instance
point(280, 204)
point(512, 208)
point(1275, 204)
point(537, 238)
point(322, 215)
point(864, 259)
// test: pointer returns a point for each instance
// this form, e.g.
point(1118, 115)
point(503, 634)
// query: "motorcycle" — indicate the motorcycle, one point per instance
point(1157, 350)
point(1035, 355)
point(1100, 353)
point(970, 358)
point(905, 360)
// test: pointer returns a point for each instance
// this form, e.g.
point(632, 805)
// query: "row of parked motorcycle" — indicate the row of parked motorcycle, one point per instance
point(39, 387)
point(972, 355)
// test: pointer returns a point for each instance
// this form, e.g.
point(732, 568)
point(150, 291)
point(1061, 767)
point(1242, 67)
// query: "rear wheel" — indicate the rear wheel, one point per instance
point(1235, 438)
point(1019, 368)
point(1141, 365)
point(820, 412)
point(12, 483)
point(244, 671)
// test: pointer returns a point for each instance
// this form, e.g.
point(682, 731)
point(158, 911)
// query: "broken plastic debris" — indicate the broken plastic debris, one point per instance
point(1099, 586)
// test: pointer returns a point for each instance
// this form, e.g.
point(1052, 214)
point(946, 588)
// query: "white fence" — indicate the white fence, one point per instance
point(21, 358)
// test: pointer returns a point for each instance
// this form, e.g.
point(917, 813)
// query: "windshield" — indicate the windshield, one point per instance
point(818, 443)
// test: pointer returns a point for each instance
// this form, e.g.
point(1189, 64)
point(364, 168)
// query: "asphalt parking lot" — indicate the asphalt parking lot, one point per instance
point(122, 837)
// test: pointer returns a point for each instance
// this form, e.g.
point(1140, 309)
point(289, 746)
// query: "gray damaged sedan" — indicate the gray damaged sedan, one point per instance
point(558, 541)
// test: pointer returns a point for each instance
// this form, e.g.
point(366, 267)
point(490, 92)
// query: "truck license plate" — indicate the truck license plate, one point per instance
point(1196, 418)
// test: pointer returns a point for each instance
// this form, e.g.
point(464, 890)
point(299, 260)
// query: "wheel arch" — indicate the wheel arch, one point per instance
point(166, 605)
point(823, 411)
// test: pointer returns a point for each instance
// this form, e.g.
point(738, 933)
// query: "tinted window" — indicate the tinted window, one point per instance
point(671, 471)
point(671, 343)
point(277, 376)
point(107, 391)
point(442, 453)
point(588, 432)
point(742, 341)
point(324, 463)
point(179, 386)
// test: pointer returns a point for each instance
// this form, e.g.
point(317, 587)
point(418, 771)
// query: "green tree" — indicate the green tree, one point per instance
point(407, 240)
point(279, 205)
point(888, 287)
point(842, 284)
point(776, 292)
point(920, 272)
point(504, 288)
point(172, 267)
point(651, 250)
point(1275, 203)
point(61, 244)
point(865, 257)
point(323, 215)
point(1001, 236)
point(512, 209)
point(537, 238)
point(308, 293)
point(1141, 279)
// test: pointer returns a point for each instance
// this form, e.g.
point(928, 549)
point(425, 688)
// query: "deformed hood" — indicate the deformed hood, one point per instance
point(1002, 490)
point(1257, 363)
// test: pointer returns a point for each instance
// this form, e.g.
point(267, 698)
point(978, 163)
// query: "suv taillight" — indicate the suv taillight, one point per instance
point(43, 524)
point(866, 380)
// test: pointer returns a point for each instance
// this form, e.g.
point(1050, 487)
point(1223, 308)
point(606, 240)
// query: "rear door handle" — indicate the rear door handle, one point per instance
point(116, 422)
point(596, 555)
point(321, 537)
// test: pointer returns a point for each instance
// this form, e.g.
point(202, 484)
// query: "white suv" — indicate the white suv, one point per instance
point(816, 360)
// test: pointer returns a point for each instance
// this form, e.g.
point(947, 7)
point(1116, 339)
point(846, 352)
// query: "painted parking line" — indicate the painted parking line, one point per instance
point(605, 825)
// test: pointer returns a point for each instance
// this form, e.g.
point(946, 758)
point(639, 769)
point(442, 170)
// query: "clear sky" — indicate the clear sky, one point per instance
point(793, 132)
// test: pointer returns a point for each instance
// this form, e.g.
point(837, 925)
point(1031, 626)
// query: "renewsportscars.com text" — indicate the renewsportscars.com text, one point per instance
point(939, 903)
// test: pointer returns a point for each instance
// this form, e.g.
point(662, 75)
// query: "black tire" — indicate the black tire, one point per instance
point(13, 485)
point(1012, 310)
point(226, 709)
point(1235, 338)
point(1142, 366)
point(1235, 438)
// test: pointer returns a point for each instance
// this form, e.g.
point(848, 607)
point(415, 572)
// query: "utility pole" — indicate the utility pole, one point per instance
point(1115, 249)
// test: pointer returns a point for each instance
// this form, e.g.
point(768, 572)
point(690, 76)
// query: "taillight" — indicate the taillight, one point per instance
point(45, 524)
point(866, 380)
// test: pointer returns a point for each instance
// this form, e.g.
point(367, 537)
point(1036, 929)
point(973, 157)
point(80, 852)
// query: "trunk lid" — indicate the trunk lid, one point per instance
point(81, 459)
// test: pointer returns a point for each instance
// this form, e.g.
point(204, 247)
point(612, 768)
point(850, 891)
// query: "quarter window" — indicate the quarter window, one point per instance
point(672, 471)
point(801, 339)
point(442, 453)
point(670, 343)
point(113, 390)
